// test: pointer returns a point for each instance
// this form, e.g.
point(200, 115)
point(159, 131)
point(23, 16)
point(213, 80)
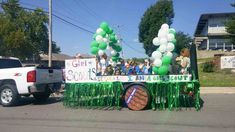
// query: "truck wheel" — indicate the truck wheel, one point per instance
point(137, 97)
point(9, 95)
point(41, 97)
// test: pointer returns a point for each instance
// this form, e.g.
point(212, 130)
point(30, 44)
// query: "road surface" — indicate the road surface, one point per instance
point(217, 115)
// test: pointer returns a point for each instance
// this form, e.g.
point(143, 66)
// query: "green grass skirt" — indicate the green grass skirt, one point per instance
point(109, 95)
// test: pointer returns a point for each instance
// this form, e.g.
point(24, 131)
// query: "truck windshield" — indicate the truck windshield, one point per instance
point(9, 63)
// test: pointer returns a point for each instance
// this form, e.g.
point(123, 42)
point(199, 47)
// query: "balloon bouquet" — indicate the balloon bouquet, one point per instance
point(105, 39)
point(163, 55)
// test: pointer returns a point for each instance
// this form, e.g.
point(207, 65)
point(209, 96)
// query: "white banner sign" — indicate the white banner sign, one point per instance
point(84, 70)
point(145, 78)
point(80, 70)
point(227, 62)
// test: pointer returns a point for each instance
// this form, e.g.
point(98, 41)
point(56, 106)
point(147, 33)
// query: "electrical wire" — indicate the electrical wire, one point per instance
point(62, 19)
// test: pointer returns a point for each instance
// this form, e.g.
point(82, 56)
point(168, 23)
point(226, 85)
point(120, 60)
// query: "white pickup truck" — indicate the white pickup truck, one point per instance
point(17, 81)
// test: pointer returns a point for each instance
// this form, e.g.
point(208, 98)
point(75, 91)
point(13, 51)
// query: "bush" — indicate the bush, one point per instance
point(208, 67)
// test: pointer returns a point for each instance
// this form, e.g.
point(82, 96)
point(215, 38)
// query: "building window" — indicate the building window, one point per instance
point(213, 25)
point(220, 45)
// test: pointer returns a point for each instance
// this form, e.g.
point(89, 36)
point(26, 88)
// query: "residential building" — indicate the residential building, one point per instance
point(211, 33)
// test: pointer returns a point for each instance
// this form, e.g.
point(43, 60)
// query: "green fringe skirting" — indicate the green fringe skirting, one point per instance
point(109, 95)
point(93, 95)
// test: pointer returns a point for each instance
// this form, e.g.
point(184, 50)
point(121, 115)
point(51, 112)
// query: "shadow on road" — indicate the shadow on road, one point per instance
point(32, 101)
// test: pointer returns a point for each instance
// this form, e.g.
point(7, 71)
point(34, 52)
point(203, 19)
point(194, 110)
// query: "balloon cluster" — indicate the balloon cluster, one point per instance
point(105, 39)
point(163, 55)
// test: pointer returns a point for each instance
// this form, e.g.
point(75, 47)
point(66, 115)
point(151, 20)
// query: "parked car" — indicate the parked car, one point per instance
point(17, 81)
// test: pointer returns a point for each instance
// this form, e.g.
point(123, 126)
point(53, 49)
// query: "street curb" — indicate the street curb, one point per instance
point(217, 90)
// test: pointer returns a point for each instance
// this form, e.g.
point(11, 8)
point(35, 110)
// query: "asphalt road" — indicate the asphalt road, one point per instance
point(217, 115)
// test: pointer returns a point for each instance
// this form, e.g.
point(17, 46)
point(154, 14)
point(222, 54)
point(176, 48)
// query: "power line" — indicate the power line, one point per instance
point(85, 7)
point(59, 13)
point(71, 12)
point(134, 49)
point(73, 24)
point(62, 19)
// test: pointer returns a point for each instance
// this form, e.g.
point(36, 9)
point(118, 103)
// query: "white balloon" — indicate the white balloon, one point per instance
point(99, 30)
point(162, 34)
point(102, 61)
point(170, 47)
point(113, 52)
point(156, 41)
point(162, 48)
point(169, 54)
point(152, 58)
point(100, 52)
point(99, 38)
point(163, 41)
point(156, 54)
point(170, 36)
point(105, 40)
point(157, 62)
point(165, 26)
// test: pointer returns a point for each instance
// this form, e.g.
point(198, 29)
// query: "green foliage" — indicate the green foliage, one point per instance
point(208, 66)
point(233, 4)
point(154, 17)
point(183, 40)
point(23, 33)
point(230, 27)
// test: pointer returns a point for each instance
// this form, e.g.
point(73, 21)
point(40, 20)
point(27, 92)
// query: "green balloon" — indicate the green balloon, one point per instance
point(103, 33)
point(117, 55)
point(94, 50)
point(94, 44)
point(110, 31)
point(115, 58)
point(118, 48)
point(163, 70)
point(113, 33)
point(111, 44)
point(155, 70)
point(104, 26)
point(114, 46)
point(174, 41)
point(172, 30)
point(166, 60)
point(103, 46)
point(112, 37)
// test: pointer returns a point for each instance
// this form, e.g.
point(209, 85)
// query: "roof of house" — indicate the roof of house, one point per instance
point(56, 57)
point(78, 55)
point(204, 19)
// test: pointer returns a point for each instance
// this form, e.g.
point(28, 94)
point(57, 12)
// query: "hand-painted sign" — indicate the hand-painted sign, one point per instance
point(227, 62)
point(80, 70)
point(145, 78)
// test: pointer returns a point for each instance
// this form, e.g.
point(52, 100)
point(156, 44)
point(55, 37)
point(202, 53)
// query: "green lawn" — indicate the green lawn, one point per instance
point(220, 78)
point(204, 60)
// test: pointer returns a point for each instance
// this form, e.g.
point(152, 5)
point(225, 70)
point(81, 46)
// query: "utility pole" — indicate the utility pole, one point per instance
point(50, 35)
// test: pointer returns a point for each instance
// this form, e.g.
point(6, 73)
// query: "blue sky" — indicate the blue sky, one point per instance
point(122, 15)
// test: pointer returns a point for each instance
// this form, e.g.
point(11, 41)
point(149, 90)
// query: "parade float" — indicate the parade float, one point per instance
point(161, 89)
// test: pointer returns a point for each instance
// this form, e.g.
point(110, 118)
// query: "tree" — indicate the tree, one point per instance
point(230, 27)
point(23, 33)
point(159, 13)
point(183, 41)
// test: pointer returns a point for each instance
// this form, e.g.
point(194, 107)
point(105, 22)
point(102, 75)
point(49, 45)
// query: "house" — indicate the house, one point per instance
point(211, 33)
point(58, 60)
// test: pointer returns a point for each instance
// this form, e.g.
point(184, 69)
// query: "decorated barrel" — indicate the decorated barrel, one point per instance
point(137, 97)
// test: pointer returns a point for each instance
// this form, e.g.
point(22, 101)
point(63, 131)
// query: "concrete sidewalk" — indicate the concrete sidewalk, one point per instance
point(217, 90)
